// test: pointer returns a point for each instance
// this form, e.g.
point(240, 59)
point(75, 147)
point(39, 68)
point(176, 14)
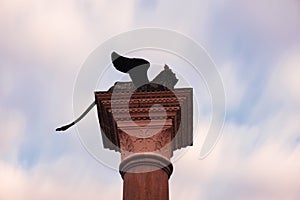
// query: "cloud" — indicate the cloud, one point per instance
point(66, 178)
point(56, 30)
point(272, 20)
point(240, 169)
point(44, 42)
point(285, 77)
point(281, 89)
point(234, 85)
point(42, 45)
point(13, 124)
point(256, 159)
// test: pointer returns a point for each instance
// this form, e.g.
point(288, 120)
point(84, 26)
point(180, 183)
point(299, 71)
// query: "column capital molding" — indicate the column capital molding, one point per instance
point(145, 162)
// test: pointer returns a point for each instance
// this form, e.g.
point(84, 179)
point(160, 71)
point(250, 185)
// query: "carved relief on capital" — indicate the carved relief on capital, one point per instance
point(158, 143)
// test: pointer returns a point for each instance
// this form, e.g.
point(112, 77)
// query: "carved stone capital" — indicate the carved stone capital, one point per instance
point(159, 143)
point(145, 162)
point(142, 122)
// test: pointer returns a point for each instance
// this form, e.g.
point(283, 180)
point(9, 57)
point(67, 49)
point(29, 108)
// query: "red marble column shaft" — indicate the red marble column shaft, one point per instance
point(146, 177)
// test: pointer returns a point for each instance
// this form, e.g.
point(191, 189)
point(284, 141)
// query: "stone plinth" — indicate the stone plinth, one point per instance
point(145, 127)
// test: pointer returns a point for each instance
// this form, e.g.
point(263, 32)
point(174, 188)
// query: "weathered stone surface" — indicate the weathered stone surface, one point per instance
point(131, 111)
point(145, 126)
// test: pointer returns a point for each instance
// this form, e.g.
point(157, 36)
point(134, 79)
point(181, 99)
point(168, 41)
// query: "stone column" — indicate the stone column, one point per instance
point(145, 166)
point(146, 143)
point(146, 177)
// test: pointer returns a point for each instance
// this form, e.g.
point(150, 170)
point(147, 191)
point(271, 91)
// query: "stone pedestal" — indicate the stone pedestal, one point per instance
point(145, 127)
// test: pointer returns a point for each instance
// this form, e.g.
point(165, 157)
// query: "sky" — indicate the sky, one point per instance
point(255, 46)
